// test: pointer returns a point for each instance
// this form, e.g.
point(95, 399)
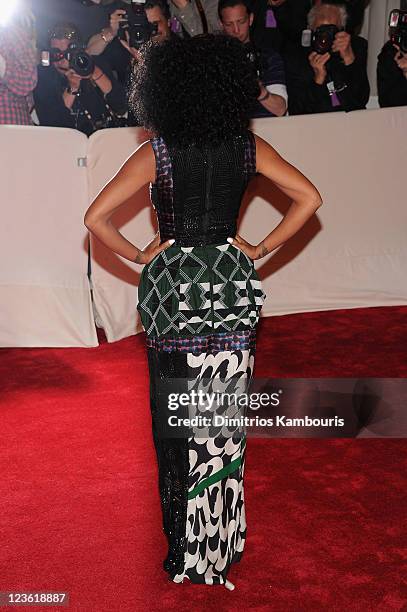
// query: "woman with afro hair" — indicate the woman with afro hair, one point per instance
point(199, 296)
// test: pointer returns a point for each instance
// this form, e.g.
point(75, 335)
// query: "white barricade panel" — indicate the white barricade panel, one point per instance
point(352, 253)
point(45, 293)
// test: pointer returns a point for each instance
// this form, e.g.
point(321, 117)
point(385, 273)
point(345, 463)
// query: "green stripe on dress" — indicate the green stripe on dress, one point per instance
point(225, 471)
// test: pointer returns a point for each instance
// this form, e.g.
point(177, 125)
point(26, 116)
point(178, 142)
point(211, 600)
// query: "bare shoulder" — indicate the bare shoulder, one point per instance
point(264, 152)
point(142, 161)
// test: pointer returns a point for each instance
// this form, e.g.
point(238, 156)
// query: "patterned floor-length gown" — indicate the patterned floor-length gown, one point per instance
point(199, 302)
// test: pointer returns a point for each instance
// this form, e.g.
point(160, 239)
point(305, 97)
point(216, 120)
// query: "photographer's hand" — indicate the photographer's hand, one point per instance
point(263, 92)
point(74, 83)
point(74, 79)
point(126, 44)
point(116, 18)
point(317, 63)
point(97, 76)
point(272, 102)
point(99, 42)
point(342, 44)
point(100, 79)
point(401, 60)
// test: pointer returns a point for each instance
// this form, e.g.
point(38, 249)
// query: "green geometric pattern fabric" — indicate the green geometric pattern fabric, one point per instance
point(199, 290)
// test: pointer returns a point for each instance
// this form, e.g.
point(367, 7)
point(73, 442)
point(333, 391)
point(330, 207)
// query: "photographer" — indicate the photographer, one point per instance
point(272, 101)
point(392, 76)
point(115, 49)
point(18, 68)
point(333, 76)
point(114, 43)
point(63, 98)
point(280, 22)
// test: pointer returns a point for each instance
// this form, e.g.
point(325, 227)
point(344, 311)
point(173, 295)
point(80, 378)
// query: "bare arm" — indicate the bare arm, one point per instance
point(98, 42)
point(306, 199)
point(275, 104)
point(272, 102)
point(138, 170)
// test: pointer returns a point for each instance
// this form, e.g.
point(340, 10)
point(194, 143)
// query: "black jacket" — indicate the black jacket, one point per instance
point(291, 18)
point(305, 96)
point(52, 111)
point(391, 82)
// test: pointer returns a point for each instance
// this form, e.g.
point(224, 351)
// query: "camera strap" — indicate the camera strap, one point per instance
point(334, 88)
point(202, 16)
point(110, 112)
point(332, 93)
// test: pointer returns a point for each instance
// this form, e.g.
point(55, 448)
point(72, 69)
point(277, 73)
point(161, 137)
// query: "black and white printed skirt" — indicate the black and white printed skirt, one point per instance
point(199, 307)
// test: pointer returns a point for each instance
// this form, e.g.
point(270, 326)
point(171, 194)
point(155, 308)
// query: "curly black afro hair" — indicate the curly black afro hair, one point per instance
point(198, 90)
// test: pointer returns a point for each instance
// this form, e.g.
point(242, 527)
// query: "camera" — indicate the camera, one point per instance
point(323, 37)
point(254, 58)
point(137, 25)
point(398, 29)
point(79, 60)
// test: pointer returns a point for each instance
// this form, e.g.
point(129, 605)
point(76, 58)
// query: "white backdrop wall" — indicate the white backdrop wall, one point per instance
point(352, 253)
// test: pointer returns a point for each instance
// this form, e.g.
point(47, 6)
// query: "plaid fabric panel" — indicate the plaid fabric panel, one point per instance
point(211, 343)
point(20, 78)
point(250, 155)
point(161, 192)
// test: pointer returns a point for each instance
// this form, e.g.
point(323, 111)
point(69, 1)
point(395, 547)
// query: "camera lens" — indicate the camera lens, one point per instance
point(82, 63)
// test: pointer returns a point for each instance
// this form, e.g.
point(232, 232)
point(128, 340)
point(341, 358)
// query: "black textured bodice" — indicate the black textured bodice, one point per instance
point(198, 191)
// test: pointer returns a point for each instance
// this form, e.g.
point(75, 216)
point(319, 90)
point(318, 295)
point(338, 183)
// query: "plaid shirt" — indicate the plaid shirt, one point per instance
point(20, 78)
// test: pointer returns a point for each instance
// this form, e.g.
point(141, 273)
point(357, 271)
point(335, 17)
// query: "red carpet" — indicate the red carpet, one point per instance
point(79, 506)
